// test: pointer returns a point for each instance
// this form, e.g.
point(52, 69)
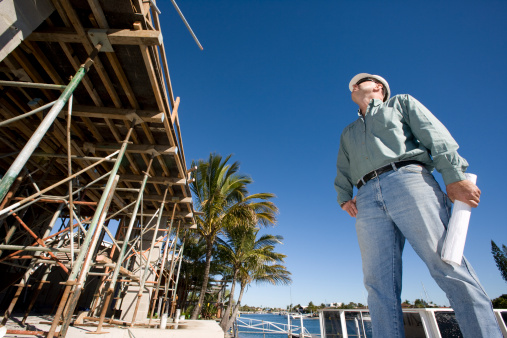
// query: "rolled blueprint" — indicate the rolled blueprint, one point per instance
point(454, 243)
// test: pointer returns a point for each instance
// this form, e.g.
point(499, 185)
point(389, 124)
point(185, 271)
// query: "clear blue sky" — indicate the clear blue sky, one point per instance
point(271, 87)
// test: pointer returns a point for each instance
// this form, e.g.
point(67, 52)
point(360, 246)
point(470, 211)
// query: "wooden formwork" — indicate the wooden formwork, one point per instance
point(113, 155)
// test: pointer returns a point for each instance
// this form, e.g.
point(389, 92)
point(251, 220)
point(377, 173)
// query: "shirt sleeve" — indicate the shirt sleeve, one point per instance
point(342, 183)
point(433, 135)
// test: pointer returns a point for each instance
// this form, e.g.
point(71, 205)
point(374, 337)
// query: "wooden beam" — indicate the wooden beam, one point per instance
point(45, 63)
point(132, 148)
point(175, 110)
point(74, 19)
point(150, 213)
point(86, 80)
point(115, 36)
point(98, 19)
point(155, 179)
point(32, 72)
point(151, 116)
point(159, 198)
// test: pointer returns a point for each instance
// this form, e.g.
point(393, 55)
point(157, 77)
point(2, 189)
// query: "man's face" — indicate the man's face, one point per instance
point(361, 90)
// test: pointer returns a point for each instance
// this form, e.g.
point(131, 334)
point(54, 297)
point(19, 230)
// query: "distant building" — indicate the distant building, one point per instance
point(334, 304)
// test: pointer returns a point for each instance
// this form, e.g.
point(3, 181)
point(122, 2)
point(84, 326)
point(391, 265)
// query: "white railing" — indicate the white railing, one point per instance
point(356, 323)
point(262, 326)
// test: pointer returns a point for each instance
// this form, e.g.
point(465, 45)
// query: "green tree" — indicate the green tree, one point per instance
point(222, 199)
point(259, 270)
point(500, 302)
point(192, 270)
point(420, 303)
point(500, 257)
point(240, 247)
point(311, 307)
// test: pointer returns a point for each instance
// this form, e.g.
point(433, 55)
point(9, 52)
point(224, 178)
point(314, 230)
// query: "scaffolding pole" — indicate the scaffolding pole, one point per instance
point(33, 143)
point(85, 247)
point(126, 239)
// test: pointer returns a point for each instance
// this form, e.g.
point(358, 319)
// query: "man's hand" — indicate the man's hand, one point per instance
point(464, 191)
point(350, 207)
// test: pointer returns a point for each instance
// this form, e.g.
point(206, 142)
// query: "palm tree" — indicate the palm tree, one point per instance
point(222, 198)
point(241, 247)
point(251, 260)
point(192, 268)
point(275, 274)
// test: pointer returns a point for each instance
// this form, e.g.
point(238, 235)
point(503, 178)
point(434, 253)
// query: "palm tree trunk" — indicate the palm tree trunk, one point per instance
point(225, 317)
point(198, 306)
point(236, 308)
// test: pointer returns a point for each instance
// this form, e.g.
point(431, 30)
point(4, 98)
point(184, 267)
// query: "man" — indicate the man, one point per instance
point(388, 153)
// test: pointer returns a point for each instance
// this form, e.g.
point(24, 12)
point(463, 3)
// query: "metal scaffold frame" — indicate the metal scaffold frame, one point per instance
point(93, 208)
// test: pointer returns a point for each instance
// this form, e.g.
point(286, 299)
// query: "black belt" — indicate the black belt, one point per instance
point(372, 174)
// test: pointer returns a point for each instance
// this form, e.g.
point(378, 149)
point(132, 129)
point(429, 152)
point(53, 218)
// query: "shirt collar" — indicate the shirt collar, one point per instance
point(373, 103)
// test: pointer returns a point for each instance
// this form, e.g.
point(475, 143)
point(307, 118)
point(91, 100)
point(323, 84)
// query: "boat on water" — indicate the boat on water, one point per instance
point(419, 323)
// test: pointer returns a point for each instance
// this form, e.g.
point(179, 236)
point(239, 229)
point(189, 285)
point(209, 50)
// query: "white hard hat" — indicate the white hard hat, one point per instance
point(360, 76)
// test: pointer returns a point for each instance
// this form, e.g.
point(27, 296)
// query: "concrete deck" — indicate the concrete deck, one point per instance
point(186, 329)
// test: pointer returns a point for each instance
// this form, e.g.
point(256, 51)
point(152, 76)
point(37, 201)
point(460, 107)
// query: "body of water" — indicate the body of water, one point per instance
point(312, 325)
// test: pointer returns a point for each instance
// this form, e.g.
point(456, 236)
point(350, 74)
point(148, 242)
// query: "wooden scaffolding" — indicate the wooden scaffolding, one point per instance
point(94, 182)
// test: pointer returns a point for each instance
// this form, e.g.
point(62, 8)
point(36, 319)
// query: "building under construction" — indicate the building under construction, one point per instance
point(94, 189)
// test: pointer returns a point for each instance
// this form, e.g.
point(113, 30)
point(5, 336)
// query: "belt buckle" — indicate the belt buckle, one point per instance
point(374, 174)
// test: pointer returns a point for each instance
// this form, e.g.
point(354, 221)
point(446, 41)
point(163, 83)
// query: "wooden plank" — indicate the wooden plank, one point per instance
point(134, 148)
point(115, 36)
point(7, 111)
point(45, 63)
point(91, 126)
point(32, 72)
point(174, 104)
point(157, 92)
point(86, 80)
point(72, 15)
point(164, 60)
point(174, 114)
point(99, 20)
point(155, 179)
point(129, 37)
point(151, 71)
point(159, 198)
point(151, 213)
point(66, 10)
point(151, 116)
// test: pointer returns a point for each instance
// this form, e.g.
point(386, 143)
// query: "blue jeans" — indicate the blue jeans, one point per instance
point(408, 203)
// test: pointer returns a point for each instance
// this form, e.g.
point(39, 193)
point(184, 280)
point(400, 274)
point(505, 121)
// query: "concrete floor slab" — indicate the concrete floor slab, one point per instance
point(186, 329)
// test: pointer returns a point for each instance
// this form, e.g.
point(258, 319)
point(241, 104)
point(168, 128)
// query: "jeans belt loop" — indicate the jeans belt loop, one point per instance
point(393, 164)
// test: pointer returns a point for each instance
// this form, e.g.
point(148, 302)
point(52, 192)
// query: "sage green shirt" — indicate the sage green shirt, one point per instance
point(397, 130)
